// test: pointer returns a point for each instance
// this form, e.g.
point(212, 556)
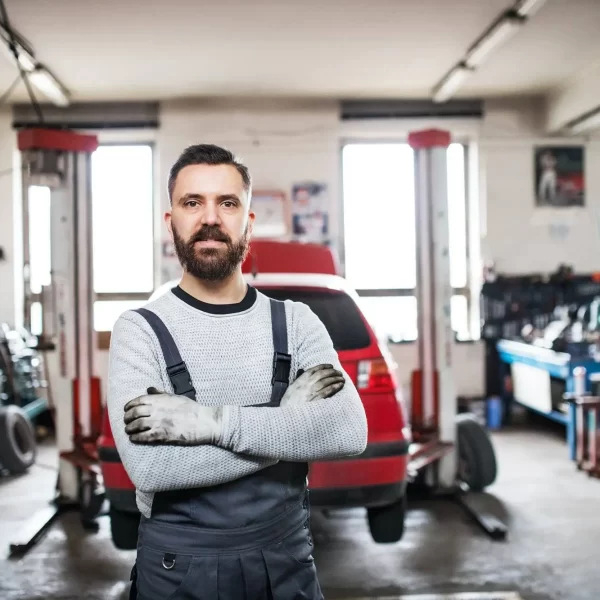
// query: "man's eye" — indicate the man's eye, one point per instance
point(191, 203)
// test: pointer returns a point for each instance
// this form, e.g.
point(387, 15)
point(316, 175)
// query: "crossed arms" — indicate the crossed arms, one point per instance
point(245, 439)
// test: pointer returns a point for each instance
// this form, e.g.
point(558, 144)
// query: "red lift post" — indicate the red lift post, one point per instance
point(434, 406)
point(61, 160)
point(433, 398)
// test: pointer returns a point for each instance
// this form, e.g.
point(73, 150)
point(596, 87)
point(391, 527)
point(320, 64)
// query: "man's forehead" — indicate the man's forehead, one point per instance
point(209, 179)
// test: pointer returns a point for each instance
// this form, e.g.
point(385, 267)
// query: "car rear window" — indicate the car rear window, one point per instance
point(337, 311)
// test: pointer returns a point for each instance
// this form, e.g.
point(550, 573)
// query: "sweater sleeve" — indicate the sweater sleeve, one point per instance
point(135, 363)
point(334, 427)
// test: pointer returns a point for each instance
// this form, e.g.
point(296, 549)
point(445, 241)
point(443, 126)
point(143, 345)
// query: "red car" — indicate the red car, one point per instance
point(375, 480)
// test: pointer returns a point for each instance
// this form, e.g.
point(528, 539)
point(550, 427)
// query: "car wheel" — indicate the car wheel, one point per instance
point(18, 447)
point(386, 523)
point(124, 528)
point(477, 465)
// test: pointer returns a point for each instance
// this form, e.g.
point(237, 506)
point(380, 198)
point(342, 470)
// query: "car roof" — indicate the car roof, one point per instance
point(300, 280)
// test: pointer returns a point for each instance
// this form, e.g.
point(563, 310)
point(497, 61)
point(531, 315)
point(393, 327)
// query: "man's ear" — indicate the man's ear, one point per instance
point(167, 219)
point(251, 218)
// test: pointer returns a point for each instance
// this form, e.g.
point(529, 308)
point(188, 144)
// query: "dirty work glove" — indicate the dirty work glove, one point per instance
point(317, 383)
point(170, 419)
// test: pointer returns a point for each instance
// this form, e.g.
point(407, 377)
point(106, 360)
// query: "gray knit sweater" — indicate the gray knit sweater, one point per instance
point(229, 353)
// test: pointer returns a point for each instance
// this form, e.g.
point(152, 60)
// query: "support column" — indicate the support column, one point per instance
point(434, 400)
point(61, 161)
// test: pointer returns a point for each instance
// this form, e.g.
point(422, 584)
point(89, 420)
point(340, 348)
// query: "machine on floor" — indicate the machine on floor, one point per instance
point(24, 397)
point(542, 338)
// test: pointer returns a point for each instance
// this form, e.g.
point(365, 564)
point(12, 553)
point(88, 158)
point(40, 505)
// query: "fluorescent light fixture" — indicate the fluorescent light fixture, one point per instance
point(26, 61)
point(496, 36)
point(26, 58)
point(526, 8)
point(448, 86)
point(586, 124)
point(46, 83)
point(37, 74)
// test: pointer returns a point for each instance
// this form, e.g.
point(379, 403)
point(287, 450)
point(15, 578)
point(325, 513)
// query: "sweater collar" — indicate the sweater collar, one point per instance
point(217, 309)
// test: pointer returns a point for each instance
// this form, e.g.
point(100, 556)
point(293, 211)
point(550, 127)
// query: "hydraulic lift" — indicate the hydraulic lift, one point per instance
point(61, 160)
point(434, 454)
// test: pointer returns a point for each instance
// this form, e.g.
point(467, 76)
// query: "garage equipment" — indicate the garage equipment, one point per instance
point(61, 160)
point(22, 399)
point(586, 405)
point(532, 356)
point(446, 446)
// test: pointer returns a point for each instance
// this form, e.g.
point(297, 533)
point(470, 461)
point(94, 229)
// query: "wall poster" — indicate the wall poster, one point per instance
point(310, 214)
point(271, 208)
point(559, 176)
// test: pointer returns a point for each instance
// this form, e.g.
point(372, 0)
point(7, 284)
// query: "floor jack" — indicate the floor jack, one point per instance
point(61, 160)
point(434, 453)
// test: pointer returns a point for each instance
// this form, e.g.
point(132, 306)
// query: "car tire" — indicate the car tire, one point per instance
point(124, 528)
point(18, 447)
point(476, 456)
point(386, 523)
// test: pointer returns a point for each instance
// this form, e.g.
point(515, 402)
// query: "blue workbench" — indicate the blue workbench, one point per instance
point(531, 369)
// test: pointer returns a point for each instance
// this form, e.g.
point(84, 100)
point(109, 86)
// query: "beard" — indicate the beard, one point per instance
point(211, 264)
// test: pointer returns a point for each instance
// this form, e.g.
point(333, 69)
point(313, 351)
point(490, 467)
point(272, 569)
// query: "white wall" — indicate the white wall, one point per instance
point(9, 236)
point(577, 96)
point(282, 143)
point(519, 237)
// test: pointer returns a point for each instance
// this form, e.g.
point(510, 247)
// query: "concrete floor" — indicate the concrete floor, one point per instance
point(552, 551)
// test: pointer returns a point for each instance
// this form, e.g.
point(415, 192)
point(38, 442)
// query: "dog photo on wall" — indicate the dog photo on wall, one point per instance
point(559, 176)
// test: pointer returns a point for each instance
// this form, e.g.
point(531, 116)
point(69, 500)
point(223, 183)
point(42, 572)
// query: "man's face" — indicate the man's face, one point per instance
point(209, 220)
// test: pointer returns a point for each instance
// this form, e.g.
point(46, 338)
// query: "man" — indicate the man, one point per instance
point(548, 179)
point(221, 481)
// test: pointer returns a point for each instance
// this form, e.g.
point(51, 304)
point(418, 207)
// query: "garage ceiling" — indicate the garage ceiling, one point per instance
point(159, 49)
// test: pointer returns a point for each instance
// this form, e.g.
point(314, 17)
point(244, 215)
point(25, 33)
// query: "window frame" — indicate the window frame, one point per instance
point(466, 290)
point(134, 296)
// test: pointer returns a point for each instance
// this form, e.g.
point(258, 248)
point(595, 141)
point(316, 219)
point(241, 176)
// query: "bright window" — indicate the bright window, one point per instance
point(379, 216)
point(380, 235)
point(40, 252)
point(457, 216)
point(123, 217)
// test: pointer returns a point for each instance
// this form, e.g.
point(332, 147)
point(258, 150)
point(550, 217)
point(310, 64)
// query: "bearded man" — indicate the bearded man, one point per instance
point(218, 399)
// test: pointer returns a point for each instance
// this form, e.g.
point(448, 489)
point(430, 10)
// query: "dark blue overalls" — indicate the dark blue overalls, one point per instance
point(248, 539)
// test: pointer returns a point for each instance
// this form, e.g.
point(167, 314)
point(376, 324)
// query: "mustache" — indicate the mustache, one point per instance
point(213, 234)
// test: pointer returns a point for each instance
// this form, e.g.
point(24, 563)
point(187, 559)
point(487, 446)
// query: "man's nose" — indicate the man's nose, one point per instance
point(210, 214)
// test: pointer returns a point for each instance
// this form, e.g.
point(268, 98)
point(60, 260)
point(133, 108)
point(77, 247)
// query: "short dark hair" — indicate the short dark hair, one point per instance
point(207, 154)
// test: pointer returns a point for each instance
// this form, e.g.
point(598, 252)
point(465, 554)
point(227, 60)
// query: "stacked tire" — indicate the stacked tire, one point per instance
point(18, 449)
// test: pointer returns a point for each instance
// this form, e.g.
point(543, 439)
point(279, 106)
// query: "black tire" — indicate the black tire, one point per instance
point(18, 447)
point(124, 528)
point(386, 523)
point(477, 459)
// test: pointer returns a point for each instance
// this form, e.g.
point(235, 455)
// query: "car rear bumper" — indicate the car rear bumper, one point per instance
point(368, 496)
point(377, 477)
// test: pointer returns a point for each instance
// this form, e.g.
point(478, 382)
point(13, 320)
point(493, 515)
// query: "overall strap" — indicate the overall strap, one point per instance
point(176, 368)
point(282, 361)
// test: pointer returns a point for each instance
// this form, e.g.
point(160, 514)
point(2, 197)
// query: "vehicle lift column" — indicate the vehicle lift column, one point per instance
point(434, 406)
point(61, 160)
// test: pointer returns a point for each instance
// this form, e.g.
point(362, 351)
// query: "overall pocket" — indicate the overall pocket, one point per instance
point(162, 575)
point(299, 545)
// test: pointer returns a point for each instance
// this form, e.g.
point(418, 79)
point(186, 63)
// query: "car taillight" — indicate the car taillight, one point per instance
point(374, 375)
